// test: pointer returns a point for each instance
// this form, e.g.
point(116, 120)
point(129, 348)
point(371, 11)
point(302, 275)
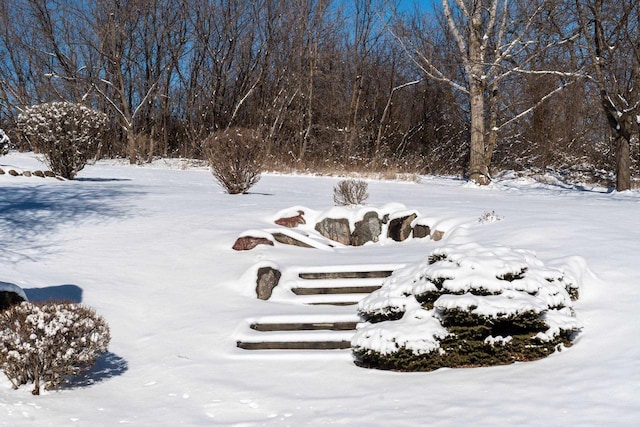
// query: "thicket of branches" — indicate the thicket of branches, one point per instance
point(477, 86)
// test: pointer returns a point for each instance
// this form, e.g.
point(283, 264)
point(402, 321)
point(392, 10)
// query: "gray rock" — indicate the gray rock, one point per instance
point(367, 230)
point(268, 278)
point(421, 231)
point(288, 240)
point(336, 229)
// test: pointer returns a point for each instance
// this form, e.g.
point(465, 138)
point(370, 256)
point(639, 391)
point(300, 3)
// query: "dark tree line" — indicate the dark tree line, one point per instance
point(472, 86)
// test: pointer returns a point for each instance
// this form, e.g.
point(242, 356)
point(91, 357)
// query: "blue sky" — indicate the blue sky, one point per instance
point(425, 5)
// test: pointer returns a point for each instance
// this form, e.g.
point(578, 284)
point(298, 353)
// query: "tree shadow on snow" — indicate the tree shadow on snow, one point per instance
point(108, 365)
point(29, 213)
point(101, 179)
point(68, 293)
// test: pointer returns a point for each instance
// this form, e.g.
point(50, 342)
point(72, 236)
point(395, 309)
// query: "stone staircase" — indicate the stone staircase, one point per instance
point(327, 318)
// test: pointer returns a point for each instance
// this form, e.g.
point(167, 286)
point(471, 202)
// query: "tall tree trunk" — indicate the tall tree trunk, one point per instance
point(623, 164)
point(478, 170)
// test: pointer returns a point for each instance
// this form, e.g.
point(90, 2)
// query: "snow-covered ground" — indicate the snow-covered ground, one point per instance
point(150, 249)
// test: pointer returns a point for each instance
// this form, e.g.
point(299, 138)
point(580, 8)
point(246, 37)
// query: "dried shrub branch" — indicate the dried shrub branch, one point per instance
point(350, 192)
point(236, 158)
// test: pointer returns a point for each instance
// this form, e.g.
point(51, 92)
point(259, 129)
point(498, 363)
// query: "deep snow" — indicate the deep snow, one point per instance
point(150, 249)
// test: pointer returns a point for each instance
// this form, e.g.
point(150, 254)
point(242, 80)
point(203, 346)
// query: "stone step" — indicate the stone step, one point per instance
point(336, 290)
point(329, 275)
point(294, 345)
point(339, 299)
point(325, 335)
point(304, 326)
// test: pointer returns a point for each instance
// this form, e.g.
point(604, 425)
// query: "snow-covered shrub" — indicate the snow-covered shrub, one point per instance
point(467, 306)
point(236, 157)
point(45, 343)
point(10, 295)
point(4, 143)
point(350, 192)
point(69, 135)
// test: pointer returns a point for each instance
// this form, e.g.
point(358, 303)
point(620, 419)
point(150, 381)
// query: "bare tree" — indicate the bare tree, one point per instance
point(494, 39)
point(612, 33)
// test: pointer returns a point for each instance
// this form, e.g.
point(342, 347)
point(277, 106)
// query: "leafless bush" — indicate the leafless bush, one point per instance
point(236, 157)
point(350, 192)
point(45, 343)
point(68, 134)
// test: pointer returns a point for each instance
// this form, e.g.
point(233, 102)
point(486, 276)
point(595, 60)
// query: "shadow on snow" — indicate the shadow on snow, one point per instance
point(28, 213)
point(108, 365)
point(67, 293)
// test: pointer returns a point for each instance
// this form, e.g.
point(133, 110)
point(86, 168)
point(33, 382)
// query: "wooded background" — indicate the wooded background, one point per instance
point(342, 84)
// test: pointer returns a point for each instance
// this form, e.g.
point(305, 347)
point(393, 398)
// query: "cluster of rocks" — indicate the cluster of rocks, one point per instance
point(38, 173)
point(369, 225)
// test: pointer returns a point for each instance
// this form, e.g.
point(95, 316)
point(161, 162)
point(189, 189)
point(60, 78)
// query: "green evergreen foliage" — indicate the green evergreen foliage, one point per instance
point(494, 311)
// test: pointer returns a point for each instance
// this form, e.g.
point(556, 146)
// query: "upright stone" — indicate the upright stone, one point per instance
point(400, 228)
point(421, 231)
point(367, 230)
point(336, 229)
point(268, 278)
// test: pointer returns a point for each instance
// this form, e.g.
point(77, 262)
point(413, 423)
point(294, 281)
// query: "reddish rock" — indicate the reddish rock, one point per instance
point(293, 221)
point(246, 243)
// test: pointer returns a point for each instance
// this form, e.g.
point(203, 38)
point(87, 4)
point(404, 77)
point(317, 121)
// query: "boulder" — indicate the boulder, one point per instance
point(268, 278)
point(49, 174)
point(27, 174)
point(336, 229)
point(367, 230)
point(400, 228)
point(421, 231)
point(10, 294)
point(1, 171)
point(12, 172)
point(293, 221)
point(437, 235)
point(289, 240)
point(38, 173)
point(246, 243)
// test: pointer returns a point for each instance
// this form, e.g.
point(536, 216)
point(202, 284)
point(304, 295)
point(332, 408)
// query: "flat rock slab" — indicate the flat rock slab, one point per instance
point(295, 345)
point(305, 326)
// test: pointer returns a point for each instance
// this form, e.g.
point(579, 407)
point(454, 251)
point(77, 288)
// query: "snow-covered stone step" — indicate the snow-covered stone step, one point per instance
point(304, 326)
point(335, 286)
point(331, 299)
point(332, 275)
point(291, 345)
point(296, 340)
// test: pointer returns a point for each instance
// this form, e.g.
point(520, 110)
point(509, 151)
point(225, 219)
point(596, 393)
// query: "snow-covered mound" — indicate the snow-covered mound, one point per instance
point(467, 305)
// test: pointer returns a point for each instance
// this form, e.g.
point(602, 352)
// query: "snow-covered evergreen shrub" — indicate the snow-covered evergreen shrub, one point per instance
point(236, 157)
point(467, 306)
point(68, 134)
point(350, 192)
point(45, 343)
point(4, 143)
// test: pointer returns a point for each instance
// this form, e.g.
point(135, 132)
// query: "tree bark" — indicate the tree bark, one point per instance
point(478, 170)
point(623, 164)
